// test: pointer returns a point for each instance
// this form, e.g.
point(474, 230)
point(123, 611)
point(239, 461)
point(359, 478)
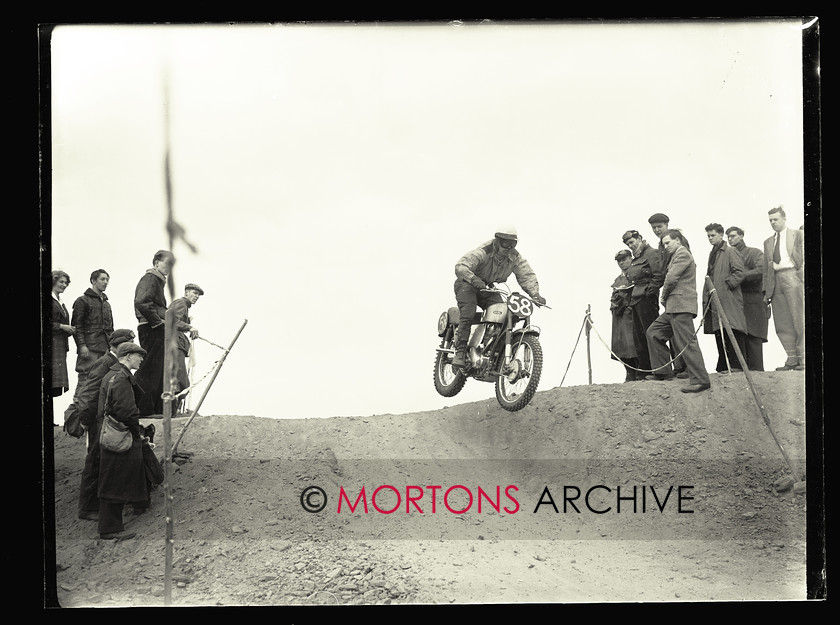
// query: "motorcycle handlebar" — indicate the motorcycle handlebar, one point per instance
point(508, 294)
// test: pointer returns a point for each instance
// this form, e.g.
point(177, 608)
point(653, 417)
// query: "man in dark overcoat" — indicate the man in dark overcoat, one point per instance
point(150, 310)
point(87, 403)
point(122, 476)
point(645, 272)
point(756, 311)
point(726, 269)
point(676, 324)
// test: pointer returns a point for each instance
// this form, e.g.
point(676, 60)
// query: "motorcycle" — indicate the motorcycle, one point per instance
point(503, 348)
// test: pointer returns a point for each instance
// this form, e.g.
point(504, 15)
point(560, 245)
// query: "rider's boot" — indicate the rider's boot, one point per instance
point(460, 354)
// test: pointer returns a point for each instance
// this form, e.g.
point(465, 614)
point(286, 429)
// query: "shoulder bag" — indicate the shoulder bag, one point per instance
point(114, 436)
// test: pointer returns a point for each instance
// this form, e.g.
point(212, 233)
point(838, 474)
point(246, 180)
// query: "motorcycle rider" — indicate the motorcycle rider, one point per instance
point(491, 262)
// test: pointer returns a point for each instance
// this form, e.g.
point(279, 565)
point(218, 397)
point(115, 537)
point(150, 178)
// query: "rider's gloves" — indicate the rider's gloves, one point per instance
point(539, 299)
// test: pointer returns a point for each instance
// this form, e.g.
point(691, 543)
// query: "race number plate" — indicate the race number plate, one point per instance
point(520, 306)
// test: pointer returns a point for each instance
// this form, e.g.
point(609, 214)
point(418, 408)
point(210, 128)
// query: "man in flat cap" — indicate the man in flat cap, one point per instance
point(87, 403)
point(122, 476)
point(150, 310)
point(179, 313)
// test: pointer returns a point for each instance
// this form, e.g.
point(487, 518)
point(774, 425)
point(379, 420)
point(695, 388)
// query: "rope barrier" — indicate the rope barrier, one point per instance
point(192, 385)
point(588, 317)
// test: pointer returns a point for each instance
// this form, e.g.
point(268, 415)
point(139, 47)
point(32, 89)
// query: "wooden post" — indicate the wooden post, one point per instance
point(588, 348)
point(207, 388)
point(725, 323)
point(169, 382)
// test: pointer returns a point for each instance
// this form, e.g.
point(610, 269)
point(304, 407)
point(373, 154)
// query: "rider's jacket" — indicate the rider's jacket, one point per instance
point(490, 263)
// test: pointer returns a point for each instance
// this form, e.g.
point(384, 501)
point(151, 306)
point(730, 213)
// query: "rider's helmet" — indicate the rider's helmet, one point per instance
point(506, 232)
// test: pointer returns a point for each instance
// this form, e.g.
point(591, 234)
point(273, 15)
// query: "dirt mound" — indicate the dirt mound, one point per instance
point(622, 492)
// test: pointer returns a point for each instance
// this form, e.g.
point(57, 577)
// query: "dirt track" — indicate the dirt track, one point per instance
point(243, 538)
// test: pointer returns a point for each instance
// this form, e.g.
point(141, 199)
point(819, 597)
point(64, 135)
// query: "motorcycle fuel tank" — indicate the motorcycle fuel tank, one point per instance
point(495, 313)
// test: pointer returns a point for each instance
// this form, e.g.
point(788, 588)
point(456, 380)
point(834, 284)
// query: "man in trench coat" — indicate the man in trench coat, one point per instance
point(726, 269)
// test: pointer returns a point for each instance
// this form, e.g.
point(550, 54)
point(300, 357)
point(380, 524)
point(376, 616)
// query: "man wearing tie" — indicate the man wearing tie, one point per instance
point(784, 287)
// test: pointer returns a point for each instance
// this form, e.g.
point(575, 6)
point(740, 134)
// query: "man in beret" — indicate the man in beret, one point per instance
point(623, 344)
point(150, 310)
point(179, 313)
point(86, 403)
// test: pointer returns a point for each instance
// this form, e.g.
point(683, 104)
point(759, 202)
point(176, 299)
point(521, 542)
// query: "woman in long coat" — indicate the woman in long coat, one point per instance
point(623, 343)
point(60, 330)
point(122, 476)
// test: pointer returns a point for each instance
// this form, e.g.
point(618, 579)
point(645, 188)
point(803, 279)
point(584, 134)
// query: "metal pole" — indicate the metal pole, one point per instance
point(588, 352)
point(207, 388)
point(725, 322)
point(169, 381)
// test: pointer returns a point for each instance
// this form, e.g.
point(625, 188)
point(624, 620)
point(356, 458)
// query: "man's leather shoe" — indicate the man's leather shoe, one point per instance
point(695, 388)
point(682, 375)
point(118, 536)
point(89, 516)
point(658, 376)
point(788, 366)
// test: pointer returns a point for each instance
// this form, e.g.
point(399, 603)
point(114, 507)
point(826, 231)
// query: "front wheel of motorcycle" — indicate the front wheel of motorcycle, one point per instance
point(514, 391)
point(448, 380)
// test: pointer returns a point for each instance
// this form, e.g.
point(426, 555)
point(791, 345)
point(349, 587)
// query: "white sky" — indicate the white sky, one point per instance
point(332, 175)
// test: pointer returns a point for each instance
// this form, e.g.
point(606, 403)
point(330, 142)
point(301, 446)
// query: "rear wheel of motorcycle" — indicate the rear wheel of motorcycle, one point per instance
point(515, 396)
point(448, 380)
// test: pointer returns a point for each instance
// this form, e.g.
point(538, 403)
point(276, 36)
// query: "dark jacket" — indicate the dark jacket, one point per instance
point(646, 273)
point(726, 269)
point(150, 299)
point(488, 263)
point(755, 310)
point(93, 320)
point(122, 477)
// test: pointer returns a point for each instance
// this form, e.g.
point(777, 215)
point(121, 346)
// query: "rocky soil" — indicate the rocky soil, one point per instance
point(242, 536)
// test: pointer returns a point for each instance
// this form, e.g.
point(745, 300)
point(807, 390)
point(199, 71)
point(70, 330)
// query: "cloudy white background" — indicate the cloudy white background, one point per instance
point(332, 175)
